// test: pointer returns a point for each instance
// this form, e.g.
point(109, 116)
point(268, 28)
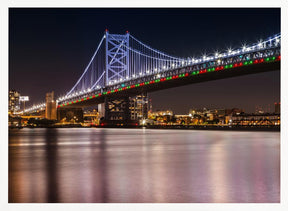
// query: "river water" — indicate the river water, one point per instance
point(92, 165)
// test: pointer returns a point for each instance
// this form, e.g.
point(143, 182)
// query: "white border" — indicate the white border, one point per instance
point(133, 3)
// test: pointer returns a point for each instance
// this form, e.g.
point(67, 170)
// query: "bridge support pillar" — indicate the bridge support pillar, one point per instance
point(117, 109)
point(124, 110)
point(117, 112)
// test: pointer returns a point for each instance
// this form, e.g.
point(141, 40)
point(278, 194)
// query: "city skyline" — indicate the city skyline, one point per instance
point(40, 44)
point(145, 106)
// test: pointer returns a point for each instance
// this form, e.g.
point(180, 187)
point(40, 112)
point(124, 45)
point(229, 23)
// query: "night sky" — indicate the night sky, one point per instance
point(50, 48)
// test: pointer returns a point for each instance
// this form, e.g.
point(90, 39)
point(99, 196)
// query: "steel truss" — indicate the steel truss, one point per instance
point(117, 57)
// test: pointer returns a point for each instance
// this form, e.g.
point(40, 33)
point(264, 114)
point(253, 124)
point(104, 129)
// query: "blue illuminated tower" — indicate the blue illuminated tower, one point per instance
point(117, 57)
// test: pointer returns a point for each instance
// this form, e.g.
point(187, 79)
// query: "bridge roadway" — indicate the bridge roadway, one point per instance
point(174, 78)
point(132, 68)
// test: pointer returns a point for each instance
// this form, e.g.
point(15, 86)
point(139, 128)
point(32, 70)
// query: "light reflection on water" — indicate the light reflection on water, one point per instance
point(76, 165)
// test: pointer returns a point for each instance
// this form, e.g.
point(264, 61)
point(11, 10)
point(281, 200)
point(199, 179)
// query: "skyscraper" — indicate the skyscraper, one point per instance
point(50, 112)
point(14, 103)
point(139, 107)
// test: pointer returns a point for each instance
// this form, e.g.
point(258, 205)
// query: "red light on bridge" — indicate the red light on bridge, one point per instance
point(240, 64)
point(261, 60)
point(256, 61)
point(279, 57)
point(186, 74)
point(106, 30)
point(127, 32)
point(202, 71)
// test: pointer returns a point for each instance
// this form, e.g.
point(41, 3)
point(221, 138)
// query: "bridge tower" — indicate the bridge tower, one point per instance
point(116, 110)
point(117, 57)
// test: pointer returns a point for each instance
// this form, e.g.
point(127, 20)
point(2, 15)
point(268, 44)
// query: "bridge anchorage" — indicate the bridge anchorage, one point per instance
point(123, 68)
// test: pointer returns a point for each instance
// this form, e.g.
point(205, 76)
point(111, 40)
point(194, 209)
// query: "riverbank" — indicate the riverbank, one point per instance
point(202, 127)
point(178, 127)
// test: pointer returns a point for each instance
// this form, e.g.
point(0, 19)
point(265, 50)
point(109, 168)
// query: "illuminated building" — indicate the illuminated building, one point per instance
point(139, 107)
point(14, 103)
point(256, 119)
point(162, 117)
point(91, 117)
point(70, 115)
point(50, 112)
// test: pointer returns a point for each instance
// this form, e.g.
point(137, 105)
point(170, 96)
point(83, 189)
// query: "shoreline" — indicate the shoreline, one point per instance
point(226, 128)
point(171, 127)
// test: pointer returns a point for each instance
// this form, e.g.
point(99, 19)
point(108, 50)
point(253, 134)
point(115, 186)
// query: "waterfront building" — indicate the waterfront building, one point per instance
point(256, 119)
point(183, 119)
point(139, 107)
point(70, 115)
point(162, 117)
point(14, 102)
point(91, 117)
point(51, 111)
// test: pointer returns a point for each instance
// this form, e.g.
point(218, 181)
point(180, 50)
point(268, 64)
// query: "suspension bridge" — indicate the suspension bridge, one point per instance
point(122, 66)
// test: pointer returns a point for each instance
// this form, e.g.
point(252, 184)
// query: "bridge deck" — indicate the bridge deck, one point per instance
point(176, 81)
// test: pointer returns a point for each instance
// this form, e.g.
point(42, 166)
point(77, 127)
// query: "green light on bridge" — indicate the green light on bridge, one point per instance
point(169, 78)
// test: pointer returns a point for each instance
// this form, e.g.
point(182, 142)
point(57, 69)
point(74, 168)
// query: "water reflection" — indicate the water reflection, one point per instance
point(134, 165)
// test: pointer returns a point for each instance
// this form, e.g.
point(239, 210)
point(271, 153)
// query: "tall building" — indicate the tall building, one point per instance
point(50, 112)
point(139, 107)
point(14, 102)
